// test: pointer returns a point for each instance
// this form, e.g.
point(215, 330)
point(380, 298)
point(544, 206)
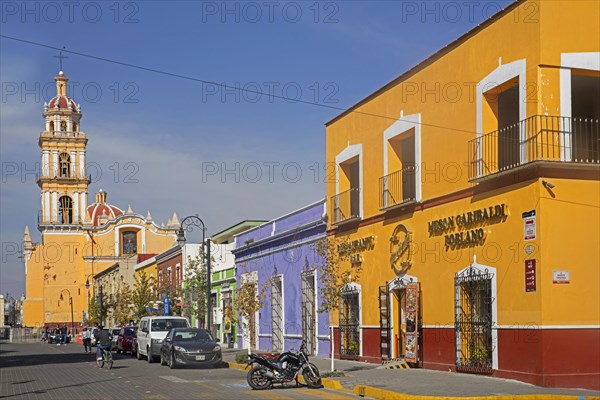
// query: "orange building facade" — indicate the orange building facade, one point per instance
point(466, 203)
point(78, 240)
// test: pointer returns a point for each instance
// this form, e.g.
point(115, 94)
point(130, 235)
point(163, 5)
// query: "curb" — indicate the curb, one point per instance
point(381, 394)
point(233, 365)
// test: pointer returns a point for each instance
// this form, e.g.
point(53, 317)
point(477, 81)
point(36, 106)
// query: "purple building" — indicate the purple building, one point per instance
point(283, 250)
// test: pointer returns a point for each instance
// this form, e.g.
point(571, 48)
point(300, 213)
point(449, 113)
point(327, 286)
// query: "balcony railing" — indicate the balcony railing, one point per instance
point(346, 206)
point(397, 188)
point(63, 134)
point(537, 138)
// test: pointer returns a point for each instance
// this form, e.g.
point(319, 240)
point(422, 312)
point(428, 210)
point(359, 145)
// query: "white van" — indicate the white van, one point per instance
point(152, 331)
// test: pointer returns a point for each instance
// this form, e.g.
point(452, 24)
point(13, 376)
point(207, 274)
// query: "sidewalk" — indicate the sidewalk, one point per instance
point(367, 380)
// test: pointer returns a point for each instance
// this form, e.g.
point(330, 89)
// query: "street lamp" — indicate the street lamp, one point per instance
point(87, 286)
point(71, 304)
point(188, 224)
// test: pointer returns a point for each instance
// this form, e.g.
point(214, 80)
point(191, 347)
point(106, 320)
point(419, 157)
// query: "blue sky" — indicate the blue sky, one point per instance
point(166, 144)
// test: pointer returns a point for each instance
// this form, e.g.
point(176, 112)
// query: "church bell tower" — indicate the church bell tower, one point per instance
point(63, 183)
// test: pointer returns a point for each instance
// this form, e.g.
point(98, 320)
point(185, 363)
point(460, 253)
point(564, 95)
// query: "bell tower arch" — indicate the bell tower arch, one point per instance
point(63, 181)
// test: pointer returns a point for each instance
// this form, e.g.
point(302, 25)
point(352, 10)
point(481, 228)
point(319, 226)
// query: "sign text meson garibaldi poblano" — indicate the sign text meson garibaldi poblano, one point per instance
point(470, 225)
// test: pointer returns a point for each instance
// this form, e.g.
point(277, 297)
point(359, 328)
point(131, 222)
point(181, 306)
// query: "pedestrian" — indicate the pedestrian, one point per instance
point(63, 332)
point(86, 336)
point(57, 335)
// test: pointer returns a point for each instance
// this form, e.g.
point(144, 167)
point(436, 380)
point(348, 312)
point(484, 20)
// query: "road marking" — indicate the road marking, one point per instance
point(174, 379)
point(326, 394)
point(269, 394)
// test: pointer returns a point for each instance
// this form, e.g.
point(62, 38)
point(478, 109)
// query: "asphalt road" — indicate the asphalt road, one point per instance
point(45, 371)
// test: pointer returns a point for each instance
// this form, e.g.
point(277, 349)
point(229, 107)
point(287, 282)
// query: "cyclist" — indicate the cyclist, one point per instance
point(103, 340)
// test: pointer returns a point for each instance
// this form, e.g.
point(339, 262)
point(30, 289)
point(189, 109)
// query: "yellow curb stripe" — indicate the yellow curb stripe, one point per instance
point(376, 393)
point(397, 366)
point(233, 365)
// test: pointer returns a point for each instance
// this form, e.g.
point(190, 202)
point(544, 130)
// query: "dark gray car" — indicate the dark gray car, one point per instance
point(190, 346)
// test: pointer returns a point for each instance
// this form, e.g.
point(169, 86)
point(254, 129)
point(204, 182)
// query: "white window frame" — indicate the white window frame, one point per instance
point(398, 128)
point(500, 75)
point(588, 61)
point(349, 152)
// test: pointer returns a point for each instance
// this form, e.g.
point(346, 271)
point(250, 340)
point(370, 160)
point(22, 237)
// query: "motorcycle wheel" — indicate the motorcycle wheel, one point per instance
point(257, 380)
point(312, 376)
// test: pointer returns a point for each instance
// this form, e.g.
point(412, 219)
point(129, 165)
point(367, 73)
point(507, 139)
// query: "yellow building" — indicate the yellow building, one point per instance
point(466, 204)
point(78, 240)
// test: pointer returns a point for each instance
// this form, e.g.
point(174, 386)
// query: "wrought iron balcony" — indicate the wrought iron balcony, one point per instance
point(537, 138)
point(346, 206)
point(397, 188)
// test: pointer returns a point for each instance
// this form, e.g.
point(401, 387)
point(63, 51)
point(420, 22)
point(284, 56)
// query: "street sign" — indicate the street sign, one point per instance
point(167, 307)
point(529, 229)
point(530, 278)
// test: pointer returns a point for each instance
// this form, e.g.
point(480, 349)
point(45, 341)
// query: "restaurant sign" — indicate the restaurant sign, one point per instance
point(353, 249)
point(466, 229)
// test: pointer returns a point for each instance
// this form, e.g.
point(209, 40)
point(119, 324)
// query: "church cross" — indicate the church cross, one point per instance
point(60, 57)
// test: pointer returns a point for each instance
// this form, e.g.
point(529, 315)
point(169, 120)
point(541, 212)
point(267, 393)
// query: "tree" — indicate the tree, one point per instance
point(333, 274)
point(122, 311)
point(195, 287)
point(142, 296)
point(94, 309)
point(249, 300)
point(171, 291)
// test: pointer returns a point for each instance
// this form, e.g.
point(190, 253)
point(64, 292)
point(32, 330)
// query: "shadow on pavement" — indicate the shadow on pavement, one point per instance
point(54, 388)
point(24, 360)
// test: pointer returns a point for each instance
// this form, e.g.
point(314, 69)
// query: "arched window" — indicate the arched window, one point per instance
point(64, 161)
point(129, 242)
point(74, 127)
point(65, 210)
point(51, 126)
point(63, 126)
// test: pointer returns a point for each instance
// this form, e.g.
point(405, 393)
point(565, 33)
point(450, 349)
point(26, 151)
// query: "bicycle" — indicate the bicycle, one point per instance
point(106, 359)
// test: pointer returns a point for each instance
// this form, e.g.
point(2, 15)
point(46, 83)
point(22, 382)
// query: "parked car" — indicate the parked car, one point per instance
point(152, 331)
point(126, 339)
point(115, 335)
point(190, 346)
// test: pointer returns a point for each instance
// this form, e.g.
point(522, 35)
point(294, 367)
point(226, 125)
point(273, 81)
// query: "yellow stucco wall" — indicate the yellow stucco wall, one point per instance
point(567, 236)
point(65, 261)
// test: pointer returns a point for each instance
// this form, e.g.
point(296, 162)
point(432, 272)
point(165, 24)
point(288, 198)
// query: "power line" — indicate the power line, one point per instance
point(222, 85)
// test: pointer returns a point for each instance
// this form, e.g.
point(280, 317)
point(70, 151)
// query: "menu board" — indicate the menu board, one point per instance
point(412, 322)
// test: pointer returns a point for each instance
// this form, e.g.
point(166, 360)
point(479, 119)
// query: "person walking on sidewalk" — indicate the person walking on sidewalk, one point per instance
point(63, 332)
point(86, 336)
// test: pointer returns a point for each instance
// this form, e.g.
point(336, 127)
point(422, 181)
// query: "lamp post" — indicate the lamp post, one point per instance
point(71, 304)
point(188, 224)
point(87, 286)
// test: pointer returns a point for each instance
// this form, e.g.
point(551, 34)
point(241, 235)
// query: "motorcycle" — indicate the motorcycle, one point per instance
point(284, 368)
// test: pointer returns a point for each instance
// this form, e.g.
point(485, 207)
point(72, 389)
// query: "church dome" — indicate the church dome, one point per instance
point(61, 100)
point(100, 212)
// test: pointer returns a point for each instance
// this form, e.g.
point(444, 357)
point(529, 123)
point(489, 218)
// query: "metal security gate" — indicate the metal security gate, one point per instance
point(350, 323)
point(384, 322)
point(309, 311)
point(277, 315)
point(473, 320)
